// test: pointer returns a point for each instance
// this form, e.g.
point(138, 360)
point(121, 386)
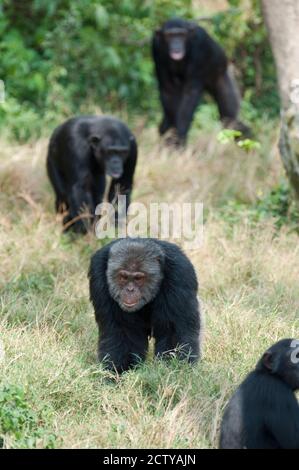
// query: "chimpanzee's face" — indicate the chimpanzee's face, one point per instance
point(134, 274)
point(176, 39)
point(110, 152)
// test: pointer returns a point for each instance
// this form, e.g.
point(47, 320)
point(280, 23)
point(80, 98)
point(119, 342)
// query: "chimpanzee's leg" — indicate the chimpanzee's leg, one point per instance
point(58, 185)
point(227, 98)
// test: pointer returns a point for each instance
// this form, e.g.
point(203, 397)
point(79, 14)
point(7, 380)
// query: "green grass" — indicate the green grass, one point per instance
point(54, 391)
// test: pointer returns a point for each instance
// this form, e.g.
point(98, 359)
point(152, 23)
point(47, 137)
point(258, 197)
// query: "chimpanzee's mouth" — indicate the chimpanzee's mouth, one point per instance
point(130, 305)
point(177, 55)
point(115, 174)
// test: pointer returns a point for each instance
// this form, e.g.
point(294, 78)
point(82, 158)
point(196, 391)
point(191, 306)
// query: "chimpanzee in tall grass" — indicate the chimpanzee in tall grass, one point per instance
point(264, 412)
point(188, 62)
point(82, 151)
point(141, 288)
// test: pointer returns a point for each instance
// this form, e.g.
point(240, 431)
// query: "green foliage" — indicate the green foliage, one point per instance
point(277, 204)
point(57, 56)
point(248, 144)
point(62, 57)
point(32, 282)
point(242, 32)
point(229, 135)
point(18, 422)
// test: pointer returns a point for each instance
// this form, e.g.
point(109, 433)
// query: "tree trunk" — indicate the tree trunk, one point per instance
point(282, 21)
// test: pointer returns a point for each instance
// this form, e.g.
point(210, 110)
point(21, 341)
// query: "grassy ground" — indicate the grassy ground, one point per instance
point(248, 285)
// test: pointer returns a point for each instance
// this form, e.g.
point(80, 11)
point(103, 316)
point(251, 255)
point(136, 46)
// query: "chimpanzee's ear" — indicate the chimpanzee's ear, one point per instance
point(94, 141)
point(268, 361)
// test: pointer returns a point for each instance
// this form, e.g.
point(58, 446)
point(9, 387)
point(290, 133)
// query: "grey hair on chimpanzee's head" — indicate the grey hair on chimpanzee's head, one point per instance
point(143, 255)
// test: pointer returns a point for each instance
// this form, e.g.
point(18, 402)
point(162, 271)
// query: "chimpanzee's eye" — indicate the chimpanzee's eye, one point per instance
point(123, 277)
point(139, 278)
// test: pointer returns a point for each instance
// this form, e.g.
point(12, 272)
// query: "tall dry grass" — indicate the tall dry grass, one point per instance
point(248, 285)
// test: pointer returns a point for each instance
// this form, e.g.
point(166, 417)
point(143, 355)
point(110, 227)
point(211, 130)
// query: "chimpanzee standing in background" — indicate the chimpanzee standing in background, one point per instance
point(82, 151)
point(188, 62)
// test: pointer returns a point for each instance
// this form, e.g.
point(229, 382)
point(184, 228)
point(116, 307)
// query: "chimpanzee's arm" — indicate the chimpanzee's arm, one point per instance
point(190, 99)
point(283, 420)
point(81, 207)
point(176, 312)
point(120, 349)
point(177, 326)
point(125, 183)
point(170, 95)
point(171, 104)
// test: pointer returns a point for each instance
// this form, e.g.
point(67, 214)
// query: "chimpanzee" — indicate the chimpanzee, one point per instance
point(264, 413)
point(188, 62)
point(141, 288)
point(81, 152)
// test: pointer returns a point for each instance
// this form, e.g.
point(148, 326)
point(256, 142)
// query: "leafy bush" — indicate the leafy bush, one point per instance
point(277, 204)
point(58, 55)
point(242, 32)
point(229, 135)
point(62, 57)
point(21, 424)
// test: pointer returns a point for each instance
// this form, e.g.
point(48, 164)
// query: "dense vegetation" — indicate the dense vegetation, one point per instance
point(62, 57)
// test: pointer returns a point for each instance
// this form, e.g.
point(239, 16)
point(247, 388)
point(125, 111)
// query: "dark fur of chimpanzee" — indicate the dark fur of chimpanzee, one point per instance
point(182, 82)
point(77, 176)
point(264, 413)
point(172, 317)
